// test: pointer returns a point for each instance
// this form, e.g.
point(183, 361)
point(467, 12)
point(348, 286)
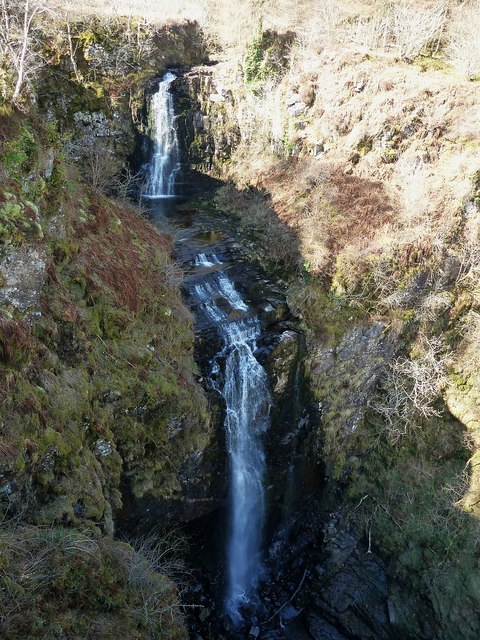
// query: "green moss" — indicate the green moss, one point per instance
point(18, 221)
point(19, 152)
point(433, 63)
point(326, 315)
point(267, 56)
point(365, 145)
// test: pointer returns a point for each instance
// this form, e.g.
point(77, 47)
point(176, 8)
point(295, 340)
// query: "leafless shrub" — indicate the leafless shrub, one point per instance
point(384, 281)
point(414, 27)
point(412, 174)
point(411, 386)
point(126, 184)
point(172, 272)
point(371, 33)
point(98, 163)
point(164, 552)
point(261, 118)
point(157, 559)
point(402, 25)
point(323, 23)
point(463, 49)
point(396, 300)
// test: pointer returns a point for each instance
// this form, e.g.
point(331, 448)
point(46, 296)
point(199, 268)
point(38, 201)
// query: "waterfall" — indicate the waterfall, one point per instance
point(164, 165)
point(244, 386)
point(235, 372)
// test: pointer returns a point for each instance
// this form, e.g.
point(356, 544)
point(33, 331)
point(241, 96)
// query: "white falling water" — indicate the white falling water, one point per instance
point(164, 165)
point(203, 261)
point(247, 399)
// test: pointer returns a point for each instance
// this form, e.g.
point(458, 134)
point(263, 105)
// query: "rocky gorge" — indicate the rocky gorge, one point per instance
point(114, 400)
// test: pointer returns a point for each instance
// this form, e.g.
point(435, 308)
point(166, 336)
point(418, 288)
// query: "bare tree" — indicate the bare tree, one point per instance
point(99, 165)
point(72, 49)
point(463, 42)
point(18, 53)
point(414, 27)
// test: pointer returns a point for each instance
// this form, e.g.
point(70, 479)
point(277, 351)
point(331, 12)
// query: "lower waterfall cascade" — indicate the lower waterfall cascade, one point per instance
point(236, 325)
point(243, 381)
point(247, 399)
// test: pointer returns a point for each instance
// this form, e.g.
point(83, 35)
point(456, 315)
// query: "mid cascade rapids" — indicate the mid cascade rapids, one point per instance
point(244, 386)
point(165, 164)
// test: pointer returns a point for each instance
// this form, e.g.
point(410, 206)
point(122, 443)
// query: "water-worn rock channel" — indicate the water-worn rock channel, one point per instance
point(266, 561)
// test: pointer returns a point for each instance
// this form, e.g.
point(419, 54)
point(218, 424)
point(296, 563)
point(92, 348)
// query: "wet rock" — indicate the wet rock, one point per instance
point(346, 377)
point(48, 163)
point(281, 361)
point(320, 629)
point(111, 396)
point(449, 273)
point(391, 611)
point(103, 448)
point(79, 509)
point(318, 149)
point(319, 570)
point(353, 590)
point(289, 612)
point(198, 121)
point(207, 118)
point(204, 614)
point(254, 632)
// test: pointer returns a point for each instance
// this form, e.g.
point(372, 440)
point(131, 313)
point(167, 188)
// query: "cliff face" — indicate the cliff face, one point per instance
point(95, 337)
point(103, 423)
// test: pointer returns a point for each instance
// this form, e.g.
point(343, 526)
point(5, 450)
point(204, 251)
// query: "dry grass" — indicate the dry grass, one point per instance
point(395, 151)
point(408, 25)
point(154, 12)
point(114, 239)
point(16, 341)
point(327, 209)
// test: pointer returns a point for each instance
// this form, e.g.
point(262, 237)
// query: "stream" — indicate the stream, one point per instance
point(233, 370)
point(241, 552)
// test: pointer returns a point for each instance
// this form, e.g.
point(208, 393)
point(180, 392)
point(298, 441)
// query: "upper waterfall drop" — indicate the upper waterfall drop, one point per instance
point(165, 164)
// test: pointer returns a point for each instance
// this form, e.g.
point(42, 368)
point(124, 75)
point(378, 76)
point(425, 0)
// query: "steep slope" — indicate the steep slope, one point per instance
point(102, 421)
